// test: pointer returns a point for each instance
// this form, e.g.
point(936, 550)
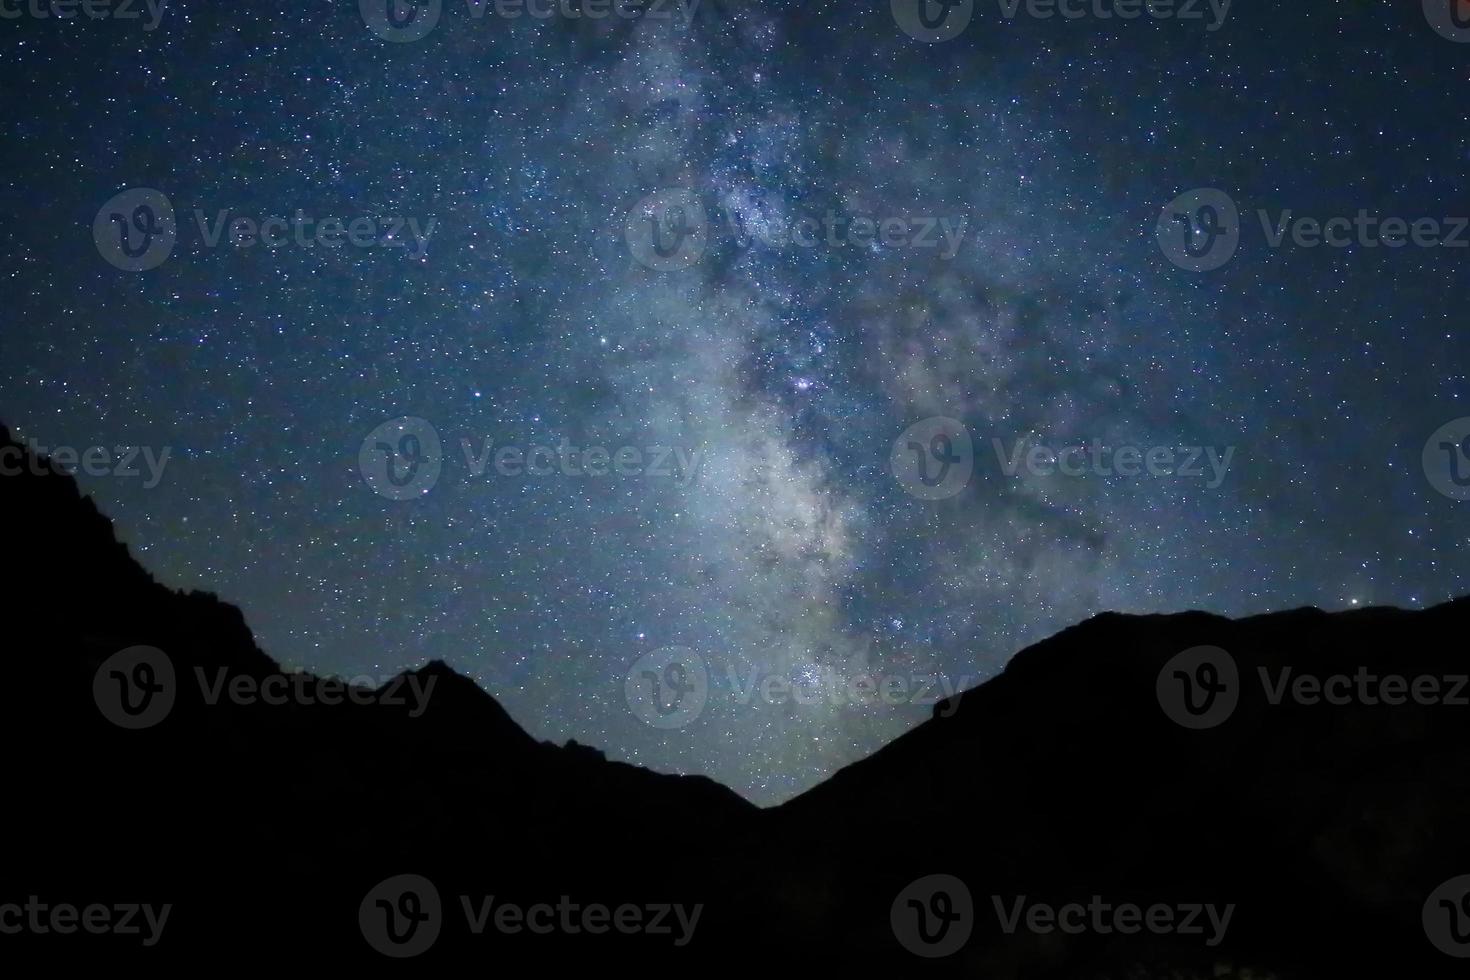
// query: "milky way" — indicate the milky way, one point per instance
point(888, 232)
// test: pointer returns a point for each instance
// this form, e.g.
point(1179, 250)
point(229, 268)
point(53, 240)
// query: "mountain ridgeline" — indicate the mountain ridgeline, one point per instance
point(1286, 795)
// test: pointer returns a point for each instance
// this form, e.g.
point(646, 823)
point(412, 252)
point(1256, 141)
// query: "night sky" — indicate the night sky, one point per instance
point(763, 336)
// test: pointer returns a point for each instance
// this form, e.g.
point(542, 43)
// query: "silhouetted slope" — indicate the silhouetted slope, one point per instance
point(1063, 778)
point(228, 808)
point(1328, 825)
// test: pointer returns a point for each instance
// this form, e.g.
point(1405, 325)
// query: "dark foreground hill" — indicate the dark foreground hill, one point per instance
point(1118, 803)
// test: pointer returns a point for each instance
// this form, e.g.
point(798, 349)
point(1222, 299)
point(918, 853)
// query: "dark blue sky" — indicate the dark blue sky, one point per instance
point(486, 177)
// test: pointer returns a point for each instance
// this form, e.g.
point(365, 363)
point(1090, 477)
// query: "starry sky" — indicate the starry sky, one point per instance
point(530, 314)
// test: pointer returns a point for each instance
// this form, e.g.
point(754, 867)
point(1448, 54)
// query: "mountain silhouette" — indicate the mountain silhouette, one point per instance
point(1152, 761)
